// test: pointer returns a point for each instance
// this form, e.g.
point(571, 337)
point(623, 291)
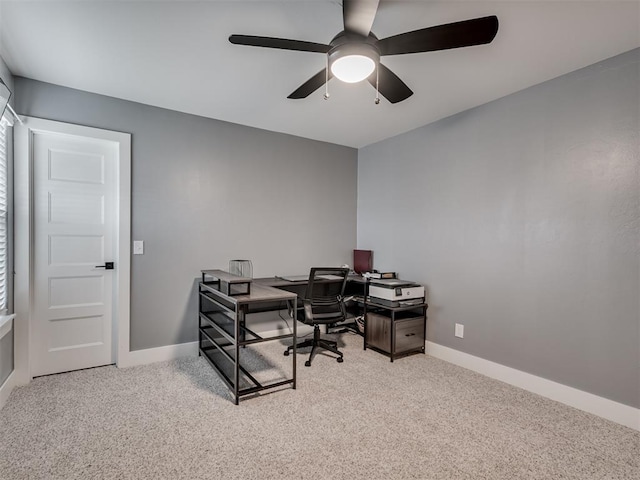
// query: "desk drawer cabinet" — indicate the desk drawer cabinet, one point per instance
point(409, 334)
point(395, 337)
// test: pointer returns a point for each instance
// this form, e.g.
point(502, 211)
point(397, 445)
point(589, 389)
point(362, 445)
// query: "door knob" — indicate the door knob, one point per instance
point(106, 266)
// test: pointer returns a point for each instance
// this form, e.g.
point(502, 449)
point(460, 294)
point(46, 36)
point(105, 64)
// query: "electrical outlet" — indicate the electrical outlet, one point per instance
point(459, 330)
point(138, 247)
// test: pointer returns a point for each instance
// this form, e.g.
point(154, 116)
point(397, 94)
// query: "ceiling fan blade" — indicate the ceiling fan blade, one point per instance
point(283, 43)
point(389, 85)
point(477, 31)
point(359, 15)
point(311, 85)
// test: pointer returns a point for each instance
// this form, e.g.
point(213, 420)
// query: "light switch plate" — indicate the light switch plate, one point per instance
point(138, 247)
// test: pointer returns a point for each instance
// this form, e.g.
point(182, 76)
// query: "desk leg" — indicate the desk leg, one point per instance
point(364, 339)
point(243, 332)
point(393, 335)
point(364, 313)
point(364, 321)
point(295, 338)
point(236, 370)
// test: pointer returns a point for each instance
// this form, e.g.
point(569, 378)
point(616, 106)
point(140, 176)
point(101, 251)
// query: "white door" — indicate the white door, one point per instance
point(74, 234)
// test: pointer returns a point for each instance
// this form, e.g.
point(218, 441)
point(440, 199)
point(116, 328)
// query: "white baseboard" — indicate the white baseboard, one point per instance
point(6, 388)
point(159, 354)
point(602, 407)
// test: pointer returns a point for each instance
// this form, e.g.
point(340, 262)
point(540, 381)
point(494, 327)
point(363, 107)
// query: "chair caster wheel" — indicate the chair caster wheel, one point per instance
point(307, 363)
point(286, 353)
point(339, 360)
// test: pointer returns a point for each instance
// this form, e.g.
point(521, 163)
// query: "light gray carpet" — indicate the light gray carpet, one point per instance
point(418, 417)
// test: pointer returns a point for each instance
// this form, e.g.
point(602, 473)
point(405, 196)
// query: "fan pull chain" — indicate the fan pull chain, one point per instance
point(377, 99)
point(326, 79)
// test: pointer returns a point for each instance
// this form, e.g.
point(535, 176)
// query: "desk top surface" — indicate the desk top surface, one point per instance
point(277, 282)
point(264, 293)
point(259, 293)
point(280, 282)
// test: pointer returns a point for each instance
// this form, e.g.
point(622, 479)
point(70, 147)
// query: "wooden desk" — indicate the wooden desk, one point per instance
point(356, 288)
point(223, 330)
point(392, 331)
point(355, 285)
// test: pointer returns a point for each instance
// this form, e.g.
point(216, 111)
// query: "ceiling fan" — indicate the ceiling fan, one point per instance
point(354, 54)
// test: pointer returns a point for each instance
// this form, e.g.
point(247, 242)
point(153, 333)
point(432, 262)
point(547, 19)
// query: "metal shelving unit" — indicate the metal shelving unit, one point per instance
point(223, 332)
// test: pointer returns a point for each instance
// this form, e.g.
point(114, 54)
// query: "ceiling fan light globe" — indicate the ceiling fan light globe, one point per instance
point(353, 68)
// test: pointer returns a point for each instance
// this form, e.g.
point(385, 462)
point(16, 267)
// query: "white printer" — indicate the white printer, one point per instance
point(394, 292)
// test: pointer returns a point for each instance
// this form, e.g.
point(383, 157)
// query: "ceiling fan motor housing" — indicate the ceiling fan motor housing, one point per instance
point(346, 43)
point(353, 48)
point(347, 46)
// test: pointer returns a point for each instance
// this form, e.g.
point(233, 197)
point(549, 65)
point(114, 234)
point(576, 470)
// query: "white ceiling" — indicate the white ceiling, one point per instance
point(175, 54)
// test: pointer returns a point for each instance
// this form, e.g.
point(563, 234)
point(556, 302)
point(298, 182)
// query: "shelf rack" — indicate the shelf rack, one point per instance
point(223, 332)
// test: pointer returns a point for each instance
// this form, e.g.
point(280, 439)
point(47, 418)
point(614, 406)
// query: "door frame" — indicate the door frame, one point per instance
point(24, 237)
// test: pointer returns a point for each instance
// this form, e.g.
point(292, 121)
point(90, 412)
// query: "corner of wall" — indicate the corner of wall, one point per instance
point(7, 77)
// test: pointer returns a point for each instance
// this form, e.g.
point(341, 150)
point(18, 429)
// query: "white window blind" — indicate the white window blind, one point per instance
point(4, 213)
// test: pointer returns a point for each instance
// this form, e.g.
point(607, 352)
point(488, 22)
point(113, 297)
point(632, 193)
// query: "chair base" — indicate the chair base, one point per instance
point(315, 343)
point(346, 328)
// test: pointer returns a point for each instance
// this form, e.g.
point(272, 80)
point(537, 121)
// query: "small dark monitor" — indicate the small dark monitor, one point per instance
point(362, 261)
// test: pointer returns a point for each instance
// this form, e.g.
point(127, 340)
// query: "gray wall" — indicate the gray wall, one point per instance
point(6, 342)
point(7, 78)
point(205, 192)
point(6, 356)
point(522, 218)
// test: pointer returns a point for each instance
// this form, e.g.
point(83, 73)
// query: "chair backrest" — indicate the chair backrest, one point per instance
point(323, 302)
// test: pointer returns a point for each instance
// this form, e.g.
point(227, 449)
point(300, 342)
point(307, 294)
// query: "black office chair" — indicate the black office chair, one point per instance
point(322, 305)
